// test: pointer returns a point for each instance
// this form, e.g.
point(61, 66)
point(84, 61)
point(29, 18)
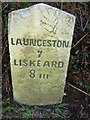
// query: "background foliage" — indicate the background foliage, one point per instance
point(76, 101)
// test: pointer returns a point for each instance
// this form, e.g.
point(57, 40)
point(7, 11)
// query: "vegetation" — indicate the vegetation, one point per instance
point(76, 102)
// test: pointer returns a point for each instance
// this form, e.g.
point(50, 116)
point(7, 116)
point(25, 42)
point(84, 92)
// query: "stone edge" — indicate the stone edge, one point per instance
point(41, 4)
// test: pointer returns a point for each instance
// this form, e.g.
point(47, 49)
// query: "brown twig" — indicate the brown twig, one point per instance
point(80, 40)
point(5, 71)
point(83, 27)
point(78, 89)
point(5, 7)
point(81, 19)
point(61, 4)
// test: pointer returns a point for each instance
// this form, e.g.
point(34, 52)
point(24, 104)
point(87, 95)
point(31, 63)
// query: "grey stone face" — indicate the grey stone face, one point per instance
point(40, 39)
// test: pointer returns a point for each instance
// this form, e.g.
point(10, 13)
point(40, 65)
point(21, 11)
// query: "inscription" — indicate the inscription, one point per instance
point(32, 73)
point(41, 76)
point(39, 53)
point(44, 76)
point(40, 43)
point(38, 63)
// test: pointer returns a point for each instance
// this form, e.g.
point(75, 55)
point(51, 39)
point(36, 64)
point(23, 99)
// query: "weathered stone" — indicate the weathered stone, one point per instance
point(40, 39)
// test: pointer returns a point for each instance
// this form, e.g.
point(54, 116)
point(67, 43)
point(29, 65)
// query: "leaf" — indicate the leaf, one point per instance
point(8, 109)
point(77, 52)
point(6, 101)
point(87, 88)
point(58, 115)
point(63, 106)
point(88, 26)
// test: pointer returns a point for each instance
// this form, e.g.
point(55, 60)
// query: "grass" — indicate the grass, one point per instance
point(25, 112)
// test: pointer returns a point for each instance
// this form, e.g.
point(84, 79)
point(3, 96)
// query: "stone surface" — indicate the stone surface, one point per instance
point(40, 39)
